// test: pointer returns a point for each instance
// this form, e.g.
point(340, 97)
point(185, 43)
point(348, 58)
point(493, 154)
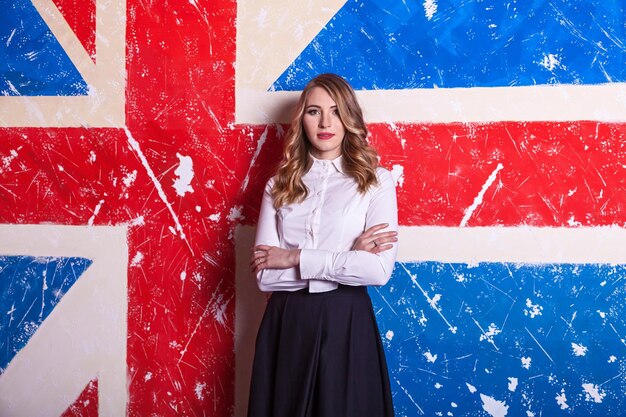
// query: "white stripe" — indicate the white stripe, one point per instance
point(533, 245)
point(606, 103)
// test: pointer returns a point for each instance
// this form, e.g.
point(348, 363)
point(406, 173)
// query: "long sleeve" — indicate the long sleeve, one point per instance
point(359, 267)
point(267, 234)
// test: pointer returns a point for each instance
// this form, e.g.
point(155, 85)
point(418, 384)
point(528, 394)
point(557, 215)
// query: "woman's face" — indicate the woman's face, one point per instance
point(322, 124)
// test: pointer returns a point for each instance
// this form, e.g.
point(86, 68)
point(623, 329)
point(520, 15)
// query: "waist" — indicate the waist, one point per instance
point(340, 290)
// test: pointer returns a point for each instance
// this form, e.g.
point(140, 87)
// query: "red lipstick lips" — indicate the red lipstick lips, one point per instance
point(325, 136)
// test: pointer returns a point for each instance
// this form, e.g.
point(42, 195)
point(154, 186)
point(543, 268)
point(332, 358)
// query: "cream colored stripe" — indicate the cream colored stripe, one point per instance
point(72, 111)
point(606, 102)
point(540, 245)
point(111, 61)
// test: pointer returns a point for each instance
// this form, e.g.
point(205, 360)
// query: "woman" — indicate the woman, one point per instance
point(326, 230)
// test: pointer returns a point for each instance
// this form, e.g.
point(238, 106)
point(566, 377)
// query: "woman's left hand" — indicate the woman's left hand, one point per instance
point(273, 257)
point(374, 241)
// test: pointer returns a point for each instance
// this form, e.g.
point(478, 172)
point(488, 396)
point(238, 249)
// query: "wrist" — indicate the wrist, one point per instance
point(295, 256)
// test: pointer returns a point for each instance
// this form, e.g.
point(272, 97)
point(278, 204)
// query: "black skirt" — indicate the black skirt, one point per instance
point(320, 355)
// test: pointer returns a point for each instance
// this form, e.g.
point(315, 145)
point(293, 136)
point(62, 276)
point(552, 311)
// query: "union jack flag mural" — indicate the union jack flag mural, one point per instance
point(135, 139)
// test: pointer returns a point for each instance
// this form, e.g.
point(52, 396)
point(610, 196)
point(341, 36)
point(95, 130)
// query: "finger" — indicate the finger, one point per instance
point(381, 248)
point(382, 240)
point(375, 228)
point(258, 248)
point(258, 257)
point(259, 254)
point(259, 265)
point(263, 264)
point(385, 234)
point(255, 256)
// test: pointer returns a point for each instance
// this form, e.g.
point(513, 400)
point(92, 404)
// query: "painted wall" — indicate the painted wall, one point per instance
point(135, 138)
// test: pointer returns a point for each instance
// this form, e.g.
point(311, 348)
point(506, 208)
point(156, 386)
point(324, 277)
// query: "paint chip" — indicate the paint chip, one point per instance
point(593, 393)
point(561, 400)
point(397, 172)
point(494, 407)
point(490, 333)
point(579, 350)
point(95, 213)
point(136, 261)
point(139, 221)
point(533, 310)
point(199, 390)
point(430, 8)
point(550, 62)
point(130, 178)
point(184, 172)
point(236, 213)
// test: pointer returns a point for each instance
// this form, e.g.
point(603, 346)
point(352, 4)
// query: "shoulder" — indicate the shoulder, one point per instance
point(269, 185)
point(385, 178)
point(386, 183)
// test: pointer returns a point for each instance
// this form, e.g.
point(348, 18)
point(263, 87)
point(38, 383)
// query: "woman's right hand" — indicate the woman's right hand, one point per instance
point(273, 257)
point(374, 241)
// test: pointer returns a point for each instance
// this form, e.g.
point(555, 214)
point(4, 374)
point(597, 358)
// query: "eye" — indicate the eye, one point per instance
point(312, 112)
point(336, 112)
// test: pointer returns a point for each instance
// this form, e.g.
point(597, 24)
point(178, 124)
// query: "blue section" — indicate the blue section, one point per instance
point(32, 63)
point(555, 328)
point(379, 44)
point(30, 288)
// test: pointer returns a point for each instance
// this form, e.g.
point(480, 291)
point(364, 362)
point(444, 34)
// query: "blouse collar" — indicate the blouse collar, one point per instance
point(337, 162)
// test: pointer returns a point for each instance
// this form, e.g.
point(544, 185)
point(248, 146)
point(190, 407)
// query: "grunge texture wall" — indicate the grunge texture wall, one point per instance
point(136, 137)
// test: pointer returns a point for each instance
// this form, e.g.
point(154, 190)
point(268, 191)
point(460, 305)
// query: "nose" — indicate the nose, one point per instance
point(324, 120)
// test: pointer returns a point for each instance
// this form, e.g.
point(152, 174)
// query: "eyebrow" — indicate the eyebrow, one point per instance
point(319, 107)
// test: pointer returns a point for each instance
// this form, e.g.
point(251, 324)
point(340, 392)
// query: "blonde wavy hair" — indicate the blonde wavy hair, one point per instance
point(360, 160)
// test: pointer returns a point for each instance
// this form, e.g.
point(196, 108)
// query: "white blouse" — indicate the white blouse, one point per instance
point(324, 226)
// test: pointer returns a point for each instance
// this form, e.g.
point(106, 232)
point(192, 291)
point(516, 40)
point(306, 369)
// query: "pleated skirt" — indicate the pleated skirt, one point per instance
point(320, 355)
